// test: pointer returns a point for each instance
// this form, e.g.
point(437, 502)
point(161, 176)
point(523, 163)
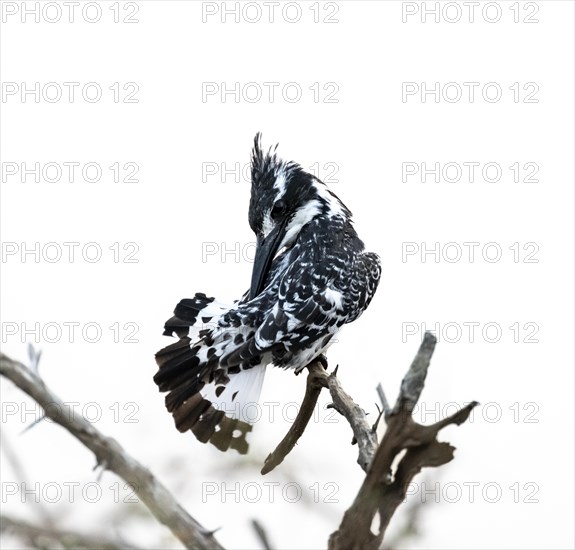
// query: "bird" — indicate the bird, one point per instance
point(311, 275)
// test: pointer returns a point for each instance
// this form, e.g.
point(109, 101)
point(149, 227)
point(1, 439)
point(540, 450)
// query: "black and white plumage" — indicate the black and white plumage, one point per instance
point(311, 275)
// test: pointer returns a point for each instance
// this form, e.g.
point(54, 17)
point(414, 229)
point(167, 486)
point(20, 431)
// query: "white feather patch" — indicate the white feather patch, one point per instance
point(302, 216)
point(334, 296)
point(240, 397)
point(280, 184)
point(334, 204)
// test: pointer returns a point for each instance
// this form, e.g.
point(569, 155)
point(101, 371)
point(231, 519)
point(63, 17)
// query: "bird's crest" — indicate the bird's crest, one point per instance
point(267, 166)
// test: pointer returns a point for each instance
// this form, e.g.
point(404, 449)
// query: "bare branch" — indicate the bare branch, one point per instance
point(16, 465)
point(37, 536)
point(317, 379)
point(111, 456)
point(363, 433)
point(381, 492)
point(413, 382)
point(262, 534)
point(383, 399)
point(314, 383)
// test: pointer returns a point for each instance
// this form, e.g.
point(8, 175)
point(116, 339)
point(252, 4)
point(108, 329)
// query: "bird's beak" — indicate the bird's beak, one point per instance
point(265, 252)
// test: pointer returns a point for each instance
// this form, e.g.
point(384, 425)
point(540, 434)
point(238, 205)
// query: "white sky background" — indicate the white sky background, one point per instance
point(516, 453)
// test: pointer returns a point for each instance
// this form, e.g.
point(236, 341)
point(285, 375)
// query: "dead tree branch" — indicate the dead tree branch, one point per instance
point(20, 473)
point(315, 382)
point(383, 490)
point(363, 433)
point(262, 534)
point(111, 456)
point(37, 537)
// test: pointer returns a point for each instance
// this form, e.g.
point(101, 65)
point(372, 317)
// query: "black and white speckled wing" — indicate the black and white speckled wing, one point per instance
point(311, 305)
point(362, 287)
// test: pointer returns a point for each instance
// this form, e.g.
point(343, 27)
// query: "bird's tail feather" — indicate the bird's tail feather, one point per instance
point(212, 401)
point(240, 395)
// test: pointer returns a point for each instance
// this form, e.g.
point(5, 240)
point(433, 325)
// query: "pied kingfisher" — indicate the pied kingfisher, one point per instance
point(310, 276)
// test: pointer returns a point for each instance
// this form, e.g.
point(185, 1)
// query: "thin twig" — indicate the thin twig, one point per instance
point(314, 383)
point(383, 399)
point(262, 534)
point(21, 475)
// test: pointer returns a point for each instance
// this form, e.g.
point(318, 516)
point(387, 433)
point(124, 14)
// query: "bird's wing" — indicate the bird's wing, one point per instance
point(363, 284)
point(312, 304)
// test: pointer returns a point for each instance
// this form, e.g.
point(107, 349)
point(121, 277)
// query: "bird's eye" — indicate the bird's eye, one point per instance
point(278, 209)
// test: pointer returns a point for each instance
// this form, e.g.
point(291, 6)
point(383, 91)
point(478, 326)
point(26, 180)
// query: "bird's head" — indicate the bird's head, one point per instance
point(284, 198)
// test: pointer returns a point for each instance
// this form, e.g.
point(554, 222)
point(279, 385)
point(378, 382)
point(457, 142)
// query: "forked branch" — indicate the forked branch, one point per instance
point(382, 490)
